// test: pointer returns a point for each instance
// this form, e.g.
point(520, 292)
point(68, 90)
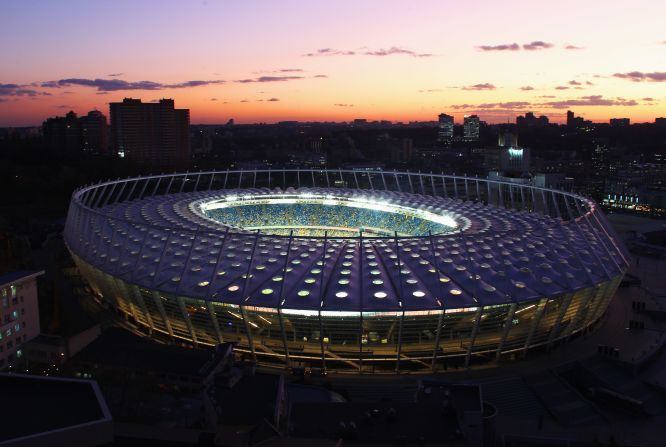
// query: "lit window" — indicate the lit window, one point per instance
point(267, 291)
point(380, 295)
point(341, 294)
point(233, 288)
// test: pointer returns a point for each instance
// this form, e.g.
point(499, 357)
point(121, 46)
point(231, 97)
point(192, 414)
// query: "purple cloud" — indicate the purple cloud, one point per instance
point(396, 50)
point(379, 52)
point(343, 105)
point(269, 79)
point(485, 86)
point(111, 85)
point(573, 47)
point(330, 52)
point(502, 47)
point(593, 100)
point(639, 76)
point(510, 105)
point(20, 90)
point(561, 87)
point(537, 45)
point(526, 88)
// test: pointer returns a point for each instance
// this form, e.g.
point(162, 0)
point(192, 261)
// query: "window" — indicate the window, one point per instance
point(10, 344)
point(14, 314)
point(17, 327)
point(22, 311)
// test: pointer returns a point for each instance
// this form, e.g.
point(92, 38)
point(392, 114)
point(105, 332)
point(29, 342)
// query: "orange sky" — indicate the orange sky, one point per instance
point(265, 61)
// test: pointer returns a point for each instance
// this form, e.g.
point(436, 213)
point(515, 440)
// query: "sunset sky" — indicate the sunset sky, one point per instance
point(310, 60)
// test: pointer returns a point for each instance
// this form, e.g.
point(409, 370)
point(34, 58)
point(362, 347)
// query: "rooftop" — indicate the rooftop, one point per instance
point(19, 275)
point(34, 405)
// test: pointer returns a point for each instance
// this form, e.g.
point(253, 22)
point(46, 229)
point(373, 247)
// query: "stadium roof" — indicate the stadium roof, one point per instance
point(499, 256)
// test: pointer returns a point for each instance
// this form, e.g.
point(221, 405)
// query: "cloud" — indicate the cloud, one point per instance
point(330, 52)
point(244, 100)
point(593, 100)
point(574, 83)
point(503, 47)
point(561, 87)
point(510, 105)
point(213, 99)
point(648, 99)
point(20, 90)
point(269, 79)
point(526, 88)
point(112, 85)
point(272, 100)
point(320, 76)
point(431, 90)
point(573, 47)
point(396, 50)
point(343, 105)
point(115, 75)
point(378, 52)
point(639, 76)
point(537, 45)
point(485, 86)
point(64, 106)
point(279, 70)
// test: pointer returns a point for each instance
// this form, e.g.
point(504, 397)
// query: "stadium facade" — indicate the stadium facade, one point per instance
point(350, 271)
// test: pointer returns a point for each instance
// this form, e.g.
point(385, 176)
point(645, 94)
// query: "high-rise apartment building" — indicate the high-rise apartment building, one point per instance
point(94, 132)
point(19, 314)
point(471, 127)
point(445, 128)
point(62, 134)
point(155, 134)
point(620, 122)
point(71, 134)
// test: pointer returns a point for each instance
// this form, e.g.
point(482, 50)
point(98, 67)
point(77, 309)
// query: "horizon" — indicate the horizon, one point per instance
point(295, 61)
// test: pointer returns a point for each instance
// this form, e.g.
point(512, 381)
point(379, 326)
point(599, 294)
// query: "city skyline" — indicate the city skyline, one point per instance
point(263, 62)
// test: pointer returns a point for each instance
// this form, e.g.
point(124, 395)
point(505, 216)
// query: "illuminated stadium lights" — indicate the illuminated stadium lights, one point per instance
point(479, 270)
point(309, 198)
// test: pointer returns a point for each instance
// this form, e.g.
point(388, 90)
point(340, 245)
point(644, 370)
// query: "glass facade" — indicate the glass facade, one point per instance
point(361, 341)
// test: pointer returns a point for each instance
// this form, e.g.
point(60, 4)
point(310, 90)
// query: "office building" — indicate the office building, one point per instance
point(445, 128)
point(471, 127)
point(152, 134)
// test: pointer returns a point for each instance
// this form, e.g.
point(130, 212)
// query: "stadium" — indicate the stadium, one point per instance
point(347, 270)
